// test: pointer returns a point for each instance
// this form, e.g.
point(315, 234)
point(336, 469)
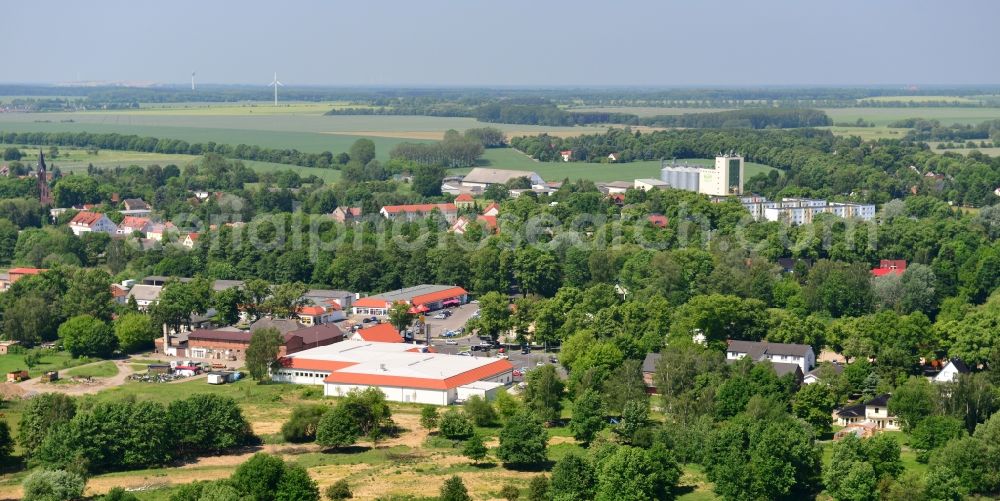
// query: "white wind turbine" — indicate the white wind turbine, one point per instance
point(275, 83)
point(192, 80)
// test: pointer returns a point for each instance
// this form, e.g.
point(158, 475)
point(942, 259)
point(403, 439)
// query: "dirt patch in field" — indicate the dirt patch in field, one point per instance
point(411, 433)
point(101, 485)
point(11, 391)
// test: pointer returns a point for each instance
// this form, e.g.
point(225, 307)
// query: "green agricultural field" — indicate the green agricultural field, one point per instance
point(507, 158)
point(884, 116)
point(645, 111)
point(995, 151)
point(310, 132)
point(921, 99)
point(77, 160)
point(869, 133)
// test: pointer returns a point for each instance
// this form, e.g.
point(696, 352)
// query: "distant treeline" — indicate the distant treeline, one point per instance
point(435, 101)
point(123, 142)
point(543, 112)
point(933, 130)
point(754, 118)
point(455, 150)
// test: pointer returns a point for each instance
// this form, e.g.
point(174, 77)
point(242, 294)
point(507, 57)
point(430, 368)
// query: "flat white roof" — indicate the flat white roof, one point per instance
point(391, 359)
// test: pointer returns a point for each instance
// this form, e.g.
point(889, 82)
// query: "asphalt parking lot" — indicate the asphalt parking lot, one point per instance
point(460, 316)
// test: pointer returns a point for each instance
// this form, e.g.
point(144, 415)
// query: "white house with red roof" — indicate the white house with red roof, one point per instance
point(412, 212)
point(318, 314)
point(890, 266)
point(190, 240)
point(156, 231)
point(381, 333)
point(493, 209)
point(566, 155)
point(421, 297)
point(403, 372)
point(132, 224)
point(465, 201)
point(92, 222)
point(489, 224)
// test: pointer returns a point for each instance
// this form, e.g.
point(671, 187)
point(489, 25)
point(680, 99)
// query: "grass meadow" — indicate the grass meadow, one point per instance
point(507, 158)
point(51, 360)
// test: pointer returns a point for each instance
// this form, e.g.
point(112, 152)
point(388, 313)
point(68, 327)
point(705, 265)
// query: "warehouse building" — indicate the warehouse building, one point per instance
point(422, 298)
point(404, 372)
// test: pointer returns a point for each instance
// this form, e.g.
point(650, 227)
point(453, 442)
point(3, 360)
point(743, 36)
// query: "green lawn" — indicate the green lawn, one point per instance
point(50, 361)
point(102, 369)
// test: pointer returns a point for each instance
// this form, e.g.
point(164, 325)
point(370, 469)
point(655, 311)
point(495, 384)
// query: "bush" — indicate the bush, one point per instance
point(219, 491)
point(301, 426)
point(207, 424)
point(454, 489)
point(120, 494)
point(84, 335)
point(258, 477)
point(523, 441)
point(296, 485)
point(474, 448)
point(429, 417)
point(6, 442)
point(481, 411)
point(338, 490)
point(510, 492)
point(359, 413)
point(52, 485)
point(456, 425)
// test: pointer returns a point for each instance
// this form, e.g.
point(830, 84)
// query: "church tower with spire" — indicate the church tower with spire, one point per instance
point(42, 178)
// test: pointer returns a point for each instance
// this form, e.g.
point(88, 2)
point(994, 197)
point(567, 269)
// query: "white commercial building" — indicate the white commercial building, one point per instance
point(724, 177)
point(404, 372)
point(801, 210)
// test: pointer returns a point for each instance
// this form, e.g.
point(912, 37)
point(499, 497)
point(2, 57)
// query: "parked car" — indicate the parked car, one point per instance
point(553, 360)
point(465, 354)
point(540, 364)
point(502, 355)
point(525, 350)
point(518, 373)
point(440, 316)
point(451, 342)
point(476, 347)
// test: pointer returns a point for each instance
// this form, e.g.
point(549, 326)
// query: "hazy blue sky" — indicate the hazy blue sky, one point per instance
point(508, 42)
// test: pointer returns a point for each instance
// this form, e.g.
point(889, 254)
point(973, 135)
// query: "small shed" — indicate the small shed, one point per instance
point(50, 376)
point(6, 345)
point(17, 376)
point(223, 377)
point(485, 389)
